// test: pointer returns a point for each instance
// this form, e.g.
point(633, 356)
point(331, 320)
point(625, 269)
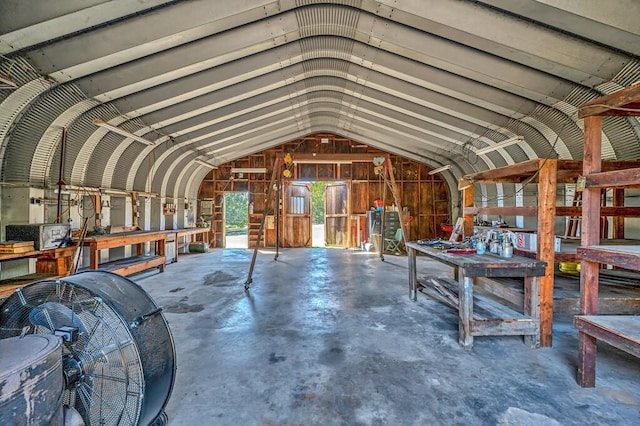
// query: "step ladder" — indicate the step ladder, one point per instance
point(270, 194)
point(385, 170)
point(573, 223)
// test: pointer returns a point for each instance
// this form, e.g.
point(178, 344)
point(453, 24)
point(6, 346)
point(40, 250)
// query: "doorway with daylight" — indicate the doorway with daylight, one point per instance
point(236, 214)
point(315, 214)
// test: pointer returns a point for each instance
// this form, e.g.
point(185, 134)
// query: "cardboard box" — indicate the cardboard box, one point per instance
point(529, 241)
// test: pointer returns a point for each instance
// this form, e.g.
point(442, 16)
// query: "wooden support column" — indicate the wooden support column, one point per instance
point(618, 221)
point(589, 273)
point(468, 196)
point(134, 209)
point(97, 201)
point(546, 240)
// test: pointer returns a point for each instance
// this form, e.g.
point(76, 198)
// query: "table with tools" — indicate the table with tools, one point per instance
point(480, 315)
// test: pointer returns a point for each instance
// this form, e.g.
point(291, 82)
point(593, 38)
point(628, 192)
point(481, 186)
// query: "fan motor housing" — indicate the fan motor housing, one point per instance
point(31, 380)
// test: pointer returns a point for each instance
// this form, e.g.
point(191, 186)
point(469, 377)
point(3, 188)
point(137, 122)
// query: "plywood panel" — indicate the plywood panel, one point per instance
point(360, 197)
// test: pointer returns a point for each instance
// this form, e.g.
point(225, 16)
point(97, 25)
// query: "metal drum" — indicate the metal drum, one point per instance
point(118, 352)
point(31, 383)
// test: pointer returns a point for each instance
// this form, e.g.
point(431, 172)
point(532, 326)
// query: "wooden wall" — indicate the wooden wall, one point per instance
point(426, 197)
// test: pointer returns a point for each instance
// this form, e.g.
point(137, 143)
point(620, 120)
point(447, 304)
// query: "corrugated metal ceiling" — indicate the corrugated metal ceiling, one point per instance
point(427, 79)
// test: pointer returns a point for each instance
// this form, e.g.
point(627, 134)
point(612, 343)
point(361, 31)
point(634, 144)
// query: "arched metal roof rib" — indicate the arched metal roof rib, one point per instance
point(429, 80)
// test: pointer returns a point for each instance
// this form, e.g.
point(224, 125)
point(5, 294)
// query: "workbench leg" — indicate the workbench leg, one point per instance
point(94, 258)
point(532, 308)
point(587, 346)
point(161, 251)
point(465, 310)
point(413, 278)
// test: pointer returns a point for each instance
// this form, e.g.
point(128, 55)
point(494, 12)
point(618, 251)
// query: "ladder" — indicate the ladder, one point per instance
point(574, 222)
point(272, 184)
point(386, 172)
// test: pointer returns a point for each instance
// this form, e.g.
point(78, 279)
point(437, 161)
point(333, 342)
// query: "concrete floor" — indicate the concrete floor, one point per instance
point(330, 337)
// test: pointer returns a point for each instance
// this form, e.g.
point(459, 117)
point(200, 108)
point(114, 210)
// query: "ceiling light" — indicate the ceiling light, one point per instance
point(205, 163)
point(122, 132)
point(503, 144)
point(440, 169)
point(248, 170)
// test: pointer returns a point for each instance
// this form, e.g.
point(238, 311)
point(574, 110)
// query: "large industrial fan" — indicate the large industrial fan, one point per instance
point(117, 352)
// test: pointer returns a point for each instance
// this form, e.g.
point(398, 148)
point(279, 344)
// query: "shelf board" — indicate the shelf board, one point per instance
point(613, 178)
point(627, 257)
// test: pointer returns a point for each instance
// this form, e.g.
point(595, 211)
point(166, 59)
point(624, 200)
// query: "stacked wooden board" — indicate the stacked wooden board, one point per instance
point(16, 247)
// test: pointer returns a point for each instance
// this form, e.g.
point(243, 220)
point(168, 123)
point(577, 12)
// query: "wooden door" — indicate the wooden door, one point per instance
point(296, 231)
point(336, 210)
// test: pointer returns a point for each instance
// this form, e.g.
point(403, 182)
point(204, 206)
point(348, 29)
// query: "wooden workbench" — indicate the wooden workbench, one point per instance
point(492, 318)
point(178, 234)
point(51, 263)
point(128, 266)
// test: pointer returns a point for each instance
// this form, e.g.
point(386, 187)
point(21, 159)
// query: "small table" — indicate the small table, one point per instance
point(466, 267)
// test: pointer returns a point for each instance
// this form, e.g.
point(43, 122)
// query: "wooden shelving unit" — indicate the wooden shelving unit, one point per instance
point(546, 174)
point(620, 331)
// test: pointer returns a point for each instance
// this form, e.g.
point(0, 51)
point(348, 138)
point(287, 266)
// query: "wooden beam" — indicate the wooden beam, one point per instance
point(334, 158)
point(590, 271)
point(468, 195)
point(618, 221)
point(605, 105)
point(604, 211)
point(546, 235)
point(623, 177)
point(514, 171)
point(503, 211)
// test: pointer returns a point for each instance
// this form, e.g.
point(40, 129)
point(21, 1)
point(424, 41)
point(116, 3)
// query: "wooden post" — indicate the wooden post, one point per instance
point(413, 275)
point(546, 241)
point(134, 210)
point(590, 271)
point(532, 307)
point(465, 297)
point(468, 195)
point(618, 221)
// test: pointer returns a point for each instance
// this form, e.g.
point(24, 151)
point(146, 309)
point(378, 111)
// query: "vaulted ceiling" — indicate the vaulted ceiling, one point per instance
point(432, 80)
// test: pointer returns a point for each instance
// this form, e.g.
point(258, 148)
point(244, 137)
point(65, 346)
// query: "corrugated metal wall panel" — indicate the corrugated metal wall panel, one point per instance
point(10, 109)
point(82, 150)
point(315, 19)
point(30, 129)
point(623, 137)
point(562, 126)
point(47, 149)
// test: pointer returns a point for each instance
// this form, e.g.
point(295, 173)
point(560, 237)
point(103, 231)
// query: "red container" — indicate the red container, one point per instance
point(378, 203)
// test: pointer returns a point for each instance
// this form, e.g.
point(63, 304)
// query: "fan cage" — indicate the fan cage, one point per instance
point(110, 387)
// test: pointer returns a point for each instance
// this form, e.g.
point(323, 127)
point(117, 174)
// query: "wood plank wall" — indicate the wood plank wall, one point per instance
point(425, 196)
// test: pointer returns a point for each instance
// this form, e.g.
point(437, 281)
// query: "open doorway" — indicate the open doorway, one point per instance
point(317, 214)
point(336, 213)
point(236, 214)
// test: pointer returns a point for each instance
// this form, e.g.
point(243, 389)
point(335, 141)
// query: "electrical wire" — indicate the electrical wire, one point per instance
point(533, 176)
point(610, 107)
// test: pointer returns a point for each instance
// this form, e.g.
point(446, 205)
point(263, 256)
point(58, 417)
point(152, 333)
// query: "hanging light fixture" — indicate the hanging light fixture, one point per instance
point(205, 163)
point(503, 144)
point(440, 169)
point(122, 132)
